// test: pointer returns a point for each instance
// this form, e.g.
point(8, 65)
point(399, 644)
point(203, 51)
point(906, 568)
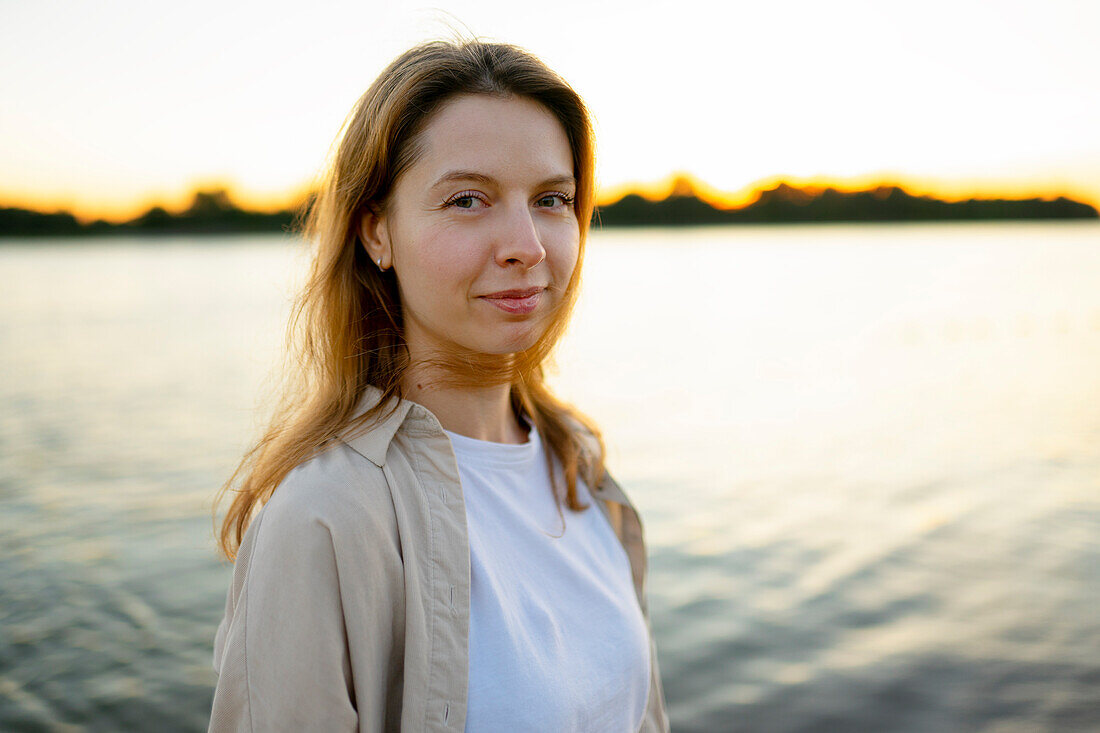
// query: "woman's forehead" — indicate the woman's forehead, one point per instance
point(491, 137)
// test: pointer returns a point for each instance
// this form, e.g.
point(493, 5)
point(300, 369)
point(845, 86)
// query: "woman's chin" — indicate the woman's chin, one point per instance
point(510, 347)
point(510, 343)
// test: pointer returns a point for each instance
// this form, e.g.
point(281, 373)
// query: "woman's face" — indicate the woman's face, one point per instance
point(481, 231)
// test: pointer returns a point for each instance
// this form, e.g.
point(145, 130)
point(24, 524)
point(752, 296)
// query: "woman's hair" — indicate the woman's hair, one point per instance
point(346, 330)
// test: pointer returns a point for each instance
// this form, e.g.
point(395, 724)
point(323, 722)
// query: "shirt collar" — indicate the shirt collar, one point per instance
point(372, 440)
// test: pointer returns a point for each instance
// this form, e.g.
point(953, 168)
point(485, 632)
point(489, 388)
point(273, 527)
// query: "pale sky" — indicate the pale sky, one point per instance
point(106, 107)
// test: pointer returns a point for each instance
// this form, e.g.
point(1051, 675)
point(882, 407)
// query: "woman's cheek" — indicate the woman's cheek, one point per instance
point(568, 262)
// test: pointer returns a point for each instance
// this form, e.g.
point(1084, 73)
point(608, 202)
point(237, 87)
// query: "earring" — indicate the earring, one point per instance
point(379, 263)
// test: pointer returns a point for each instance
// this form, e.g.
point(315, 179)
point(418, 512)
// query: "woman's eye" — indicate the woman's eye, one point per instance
point(551, 200)
point(465, 201)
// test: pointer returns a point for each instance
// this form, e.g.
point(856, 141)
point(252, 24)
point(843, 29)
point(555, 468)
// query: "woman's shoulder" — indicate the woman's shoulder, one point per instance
point(334, 488)
point(332, 511)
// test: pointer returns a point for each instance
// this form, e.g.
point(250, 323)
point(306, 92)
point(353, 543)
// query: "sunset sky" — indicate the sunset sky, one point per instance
point(108, 107)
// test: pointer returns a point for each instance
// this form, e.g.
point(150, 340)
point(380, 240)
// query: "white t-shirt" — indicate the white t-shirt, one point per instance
point(557, 640)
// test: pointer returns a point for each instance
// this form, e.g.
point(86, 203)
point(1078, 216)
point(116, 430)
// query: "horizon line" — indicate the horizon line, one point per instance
point(675, 183)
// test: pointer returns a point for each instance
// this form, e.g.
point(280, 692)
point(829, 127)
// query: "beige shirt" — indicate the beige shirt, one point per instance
point(349, 605)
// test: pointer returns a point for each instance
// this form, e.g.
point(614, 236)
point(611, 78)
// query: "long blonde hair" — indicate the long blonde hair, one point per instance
point(346, 328)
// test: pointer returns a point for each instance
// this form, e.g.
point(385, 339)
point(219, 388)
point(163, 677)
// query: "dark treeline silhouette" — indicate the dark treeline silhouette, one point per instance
point(210, 212)
point(213, 212)
point(786, 203)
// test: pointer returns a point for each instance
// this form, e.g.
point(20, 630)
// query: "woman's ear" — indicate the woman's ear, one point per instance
point(374, 236)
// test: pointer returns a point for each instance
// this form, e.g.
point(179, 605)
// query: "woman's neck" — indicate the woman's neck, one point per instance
point(482, 414)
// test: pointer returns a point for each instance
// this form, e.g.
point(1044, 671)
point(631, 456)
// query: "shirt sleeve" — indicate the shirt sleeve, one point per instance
point(281, 650)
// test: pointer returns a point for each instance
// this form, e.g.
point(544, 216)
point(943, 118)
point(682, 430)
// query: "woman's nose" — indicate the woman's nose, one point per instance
point(519, 242)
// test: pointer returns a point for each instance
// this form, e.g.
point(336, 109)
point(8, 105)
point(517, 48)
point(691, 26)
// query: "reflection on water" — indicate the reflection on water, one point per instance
point(868, 459)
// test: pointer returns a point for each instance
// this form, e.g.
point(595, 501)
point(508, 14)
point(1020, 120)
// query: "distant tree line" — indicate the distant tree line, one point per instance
point(210, 212)
point(213, 212)
point(785, 203)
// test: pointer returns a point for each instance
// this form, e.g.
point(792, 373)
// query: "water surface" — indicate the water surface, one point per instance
point(867, 457)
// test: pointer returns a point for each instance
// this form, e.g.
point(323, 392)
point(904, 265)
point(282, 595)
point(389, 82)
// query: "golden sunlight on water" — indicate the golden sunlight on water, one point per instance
point(751, 339)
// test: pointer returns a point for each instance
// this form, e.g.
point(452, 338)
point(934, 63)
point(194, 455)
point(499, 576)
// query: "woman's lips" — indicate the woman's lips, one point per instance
point(515, 301)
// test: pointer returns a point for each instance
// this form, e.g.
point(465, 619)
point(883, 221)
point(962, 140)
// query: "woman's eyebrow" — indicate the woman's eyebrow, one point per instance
point(559, 181)
point(462, 175)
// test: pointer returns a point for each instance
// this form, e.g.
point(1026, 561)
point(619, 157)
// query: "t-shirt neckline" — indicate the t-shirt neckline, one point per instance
point(486, 451)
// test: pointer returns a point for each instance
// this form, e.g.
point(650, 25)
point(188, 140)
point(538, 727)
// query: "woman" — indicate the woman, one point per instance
point(410, 567)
